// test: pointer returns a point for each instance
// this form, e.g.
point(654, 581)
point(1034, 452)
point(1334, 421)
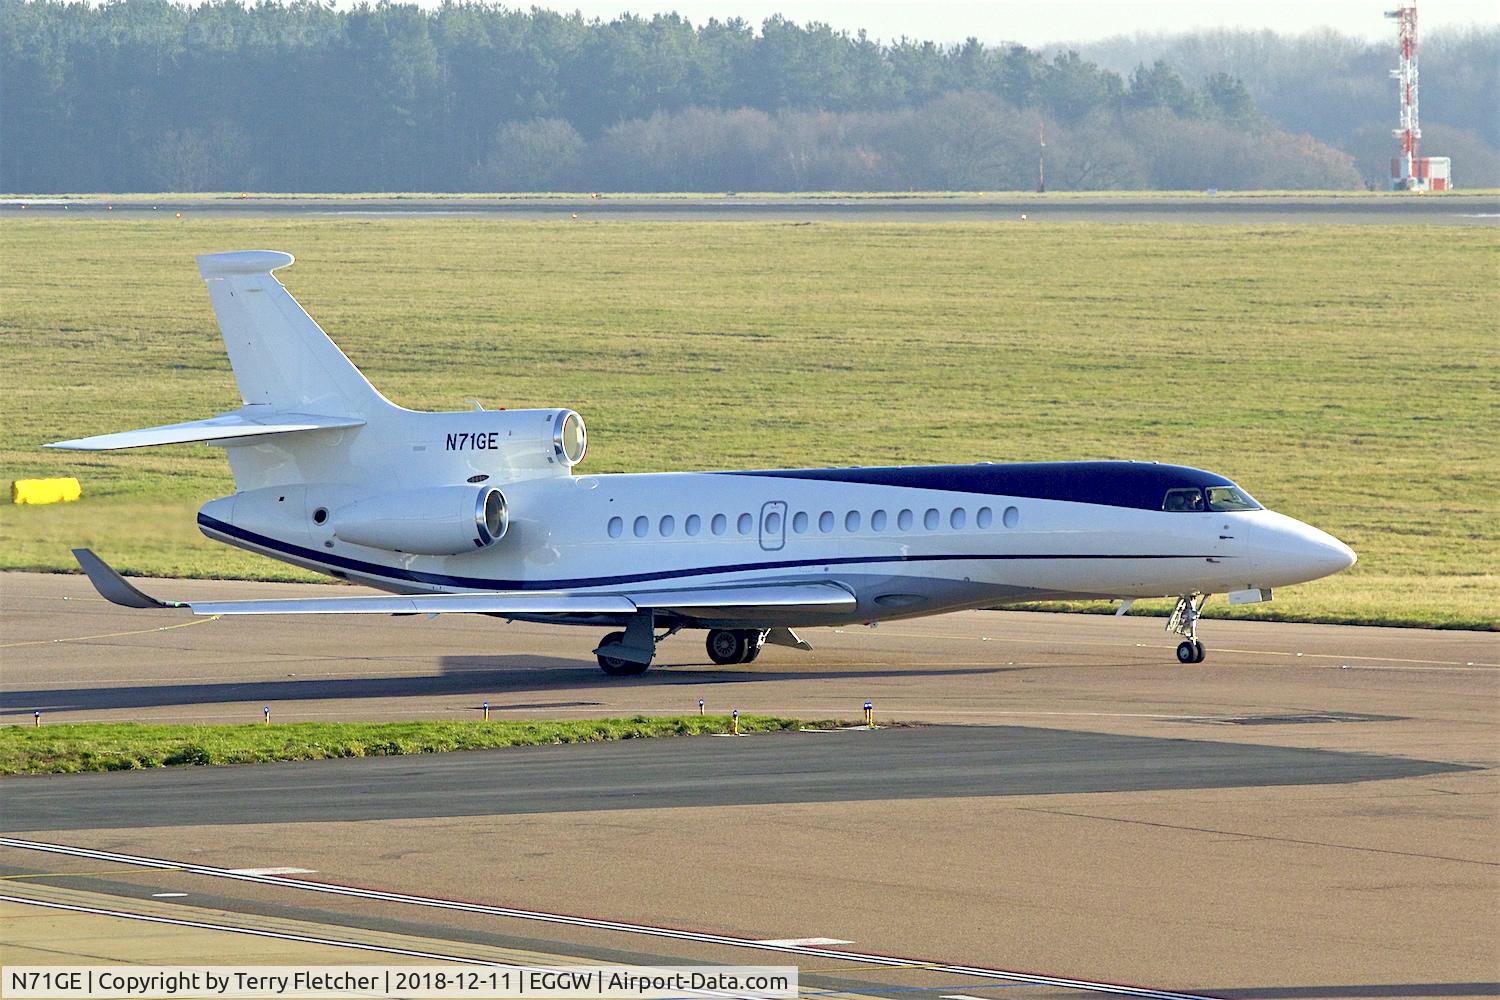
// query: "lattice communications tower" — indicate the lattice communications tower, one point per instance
point(1405, 169)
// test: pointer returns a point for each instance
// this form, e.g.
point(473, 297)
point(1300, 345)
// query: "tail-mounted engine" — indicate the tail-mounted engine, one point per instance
point(438, 521)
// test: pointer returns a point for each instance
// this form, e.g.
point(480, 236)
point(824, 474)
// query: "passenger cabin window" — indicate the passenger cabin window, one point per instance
point(1183, 500)
point(1230, 498)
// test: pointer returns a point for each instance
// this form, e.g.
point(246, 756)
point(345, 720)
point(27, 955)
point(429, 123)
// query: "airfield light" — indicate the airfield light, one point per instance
point(734, 719)
point(700, 706)
point(36, 718)
point(266, 714)
point(486, 711)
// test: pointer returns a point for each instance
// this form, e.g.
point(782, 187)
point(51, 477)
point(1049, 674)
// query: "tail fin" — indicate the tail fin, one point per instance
point(280, 357)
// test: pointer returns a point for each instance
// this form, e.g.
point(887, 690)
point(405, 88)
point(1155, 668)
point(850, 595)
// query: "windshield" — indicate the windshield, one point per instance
point(1187, 498)
point(1230, 498)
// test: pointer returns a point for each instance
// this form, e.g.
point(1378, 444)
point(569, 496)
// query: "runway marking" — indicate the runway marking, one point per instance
point(167, 895)
point(1151, 645)
point(595, 923)
point(232, 929)
point(803, 942)
point(110, 635)
point(271, 871)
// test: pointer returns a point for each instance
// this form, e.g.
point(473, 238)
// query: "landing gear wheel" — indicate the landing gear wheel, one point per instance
point(1184, 621)
point(729, 645)
point(614, 665)
point(754, 640)
point(1191, 651)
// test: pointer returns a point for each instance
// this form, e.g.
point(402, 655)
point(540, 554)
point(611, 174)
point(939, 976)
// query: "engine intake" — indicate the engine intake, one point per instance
point(438, 521)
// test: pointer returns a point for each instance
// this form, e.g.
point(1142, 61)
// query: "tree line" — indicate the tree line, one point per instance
point(153, 95)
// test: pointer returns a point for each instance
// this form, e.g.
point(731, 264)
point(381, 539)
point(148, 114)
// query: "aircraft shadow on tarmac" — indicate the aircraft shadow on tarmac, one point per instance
point(489, 677)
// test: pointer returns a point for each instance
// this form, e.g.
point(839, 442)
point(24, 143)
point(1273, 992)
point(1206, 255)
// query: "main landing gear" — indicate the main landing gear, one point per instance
point(734, 645)
point(618, 666)
point(1184, 622)
point(629, 653)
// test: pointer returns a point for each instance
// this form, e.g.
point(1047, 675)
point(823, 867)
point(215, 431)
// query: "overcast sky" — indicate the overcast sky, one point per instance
point(1044, 21)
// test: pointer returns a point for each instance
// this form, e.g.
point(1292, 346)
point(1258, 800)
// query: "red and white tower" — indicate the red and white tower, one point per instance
point(1406, 169)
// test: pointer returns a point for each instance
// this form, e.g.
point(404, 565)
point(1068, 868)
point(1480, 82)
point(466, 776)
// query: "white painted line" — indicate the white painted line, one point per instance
point(803, 942)
point(230, 928)
point(958, 996)
point(270, 871)
point(597, 923)
point(167, 895)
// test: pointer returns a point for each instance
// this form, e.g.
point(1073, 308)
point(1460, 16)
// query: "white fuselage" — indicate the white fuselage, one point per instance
point(903, 550)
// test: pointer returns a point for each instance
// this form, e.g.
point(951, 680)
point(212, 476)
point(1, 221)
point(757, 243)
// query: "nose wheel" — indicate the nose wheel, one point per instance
point(1190, 651)
point(1184, 622)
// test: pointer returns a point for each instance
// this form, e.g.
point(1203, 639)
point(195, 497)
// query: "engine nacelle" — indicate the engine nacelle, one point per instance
point(438, 521)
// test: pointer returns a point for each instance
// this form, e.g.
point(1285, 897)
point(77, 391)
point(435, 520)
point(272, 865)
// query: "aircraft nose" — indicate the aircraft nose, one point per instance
point(1312, 553)
point(1288, 551)
point(1332, 555)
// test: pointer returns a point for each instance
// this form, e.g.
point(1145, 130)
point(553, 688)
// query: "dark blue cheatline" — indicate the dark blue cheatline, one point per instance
point(1142, 485)
point(478, 583)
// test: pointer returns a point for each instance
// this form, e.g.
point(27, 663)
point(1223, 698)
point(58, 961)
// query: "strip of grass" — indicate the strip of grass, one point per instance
point(147, 197)
point(129, 746)
point(1314, 364)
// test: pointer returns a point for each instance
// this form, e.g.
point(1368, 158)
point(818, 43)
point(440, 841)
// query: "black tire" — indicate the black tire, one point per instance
point(1199, 653)
point(615, 666)
point(754, 640)
point(727, 645)
point(1187, 652)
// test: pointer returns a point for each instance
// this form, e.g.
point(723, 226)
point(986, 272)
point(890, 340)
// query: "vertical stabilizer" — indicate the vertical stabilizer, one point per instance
point(280, 357)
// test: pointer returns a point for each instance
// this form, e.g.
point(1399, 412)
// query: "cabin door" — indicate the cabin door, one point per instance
point(773, 525)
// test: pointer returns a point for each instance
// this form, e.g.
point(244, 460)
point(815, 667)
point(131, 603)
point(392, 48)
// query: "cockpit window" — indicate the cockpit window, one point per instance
point(1230, 498)
point(1183, 499)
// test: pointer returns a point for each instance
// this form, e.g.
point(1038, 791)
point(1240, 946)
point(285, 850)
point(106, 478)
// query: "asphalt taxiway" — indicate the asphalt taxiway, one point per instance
point(1456, 209)
point(1313, 812)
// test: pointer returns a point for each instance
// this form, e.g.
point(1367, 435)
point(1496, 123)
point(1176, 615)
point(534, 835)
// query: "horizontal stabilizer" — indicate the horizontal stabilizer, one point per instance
point(813, 596)
point(240, 424)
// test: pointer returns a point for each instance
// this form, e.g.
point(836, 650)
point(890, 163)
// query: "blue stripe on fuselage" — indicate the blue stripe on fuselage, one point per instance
point(334, 560)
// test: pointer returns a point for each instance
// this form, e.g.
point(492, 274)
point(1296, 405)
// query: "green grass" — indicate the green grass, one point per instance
point(127, 746)
point(138, 198)
point(1345, 375)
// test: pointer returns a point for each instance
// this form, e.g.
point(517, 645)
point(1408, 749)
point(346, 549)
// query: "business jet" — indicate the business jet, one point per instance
point(484, 512)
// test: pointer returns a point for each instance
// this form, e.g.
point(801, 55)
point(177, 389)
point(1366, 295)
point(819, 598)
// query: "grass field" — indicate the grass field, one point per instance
point(128, 746)
point(1347, 376)
point(139, 198)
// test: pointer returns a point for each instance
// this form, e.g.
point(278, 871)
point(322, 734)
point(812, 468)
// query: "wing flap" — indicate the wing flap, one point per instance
point(241, 423)
point(498, 603)
point(739, 598)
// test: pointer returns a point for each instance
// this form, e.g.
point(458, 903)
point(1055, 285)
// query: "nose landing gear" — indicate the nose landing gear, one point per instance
point(1184, 622)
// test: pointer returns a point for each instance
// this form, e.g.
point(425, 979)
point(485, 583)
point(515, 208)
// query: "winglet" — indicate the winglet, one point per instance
point(115, 588)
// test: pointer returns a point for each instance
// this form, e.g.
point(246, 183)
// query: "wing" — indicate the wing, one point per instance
point(735, 599)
